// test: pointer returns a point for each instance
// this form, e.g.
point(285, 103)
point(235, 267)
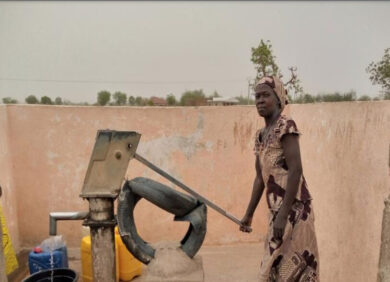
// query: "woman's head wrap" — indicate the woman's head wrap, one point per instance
point(277, 86)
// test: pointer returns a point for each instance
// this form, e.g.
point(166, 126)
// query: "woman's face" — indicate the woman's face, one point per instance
point(266, 101)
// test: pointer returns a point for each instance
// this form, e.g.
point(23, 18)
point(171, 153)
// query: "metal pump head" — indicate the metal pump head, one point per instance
point(108, 164)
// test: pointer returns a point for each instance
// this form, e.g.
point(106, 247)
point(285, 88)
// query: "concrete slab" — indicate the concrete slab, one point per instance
point(225, 263)
point(232, 263)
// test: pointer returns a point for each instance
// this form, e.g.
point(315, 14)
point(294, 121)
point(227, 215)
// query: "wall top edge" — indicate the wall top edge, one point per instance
point(181, 107)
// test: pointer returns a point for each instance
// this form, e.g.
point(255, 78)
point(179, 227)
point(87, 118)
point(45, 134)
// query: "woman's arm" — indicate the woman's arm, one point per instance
point(257, 191)
point(292, 155)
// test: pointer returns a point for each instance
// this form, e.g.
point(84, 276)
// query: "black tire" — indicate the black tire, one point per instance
point(184, 207)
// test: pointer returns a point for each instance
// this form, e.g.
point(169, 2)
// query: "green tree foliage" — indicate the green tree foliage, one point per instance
point(265, 64)
point(9, 100)
point(131, 100)
point(103, 97)
point(45, 100)
point(120, 98)
point(244, 100)
point(139, 101)
point(338, 97)
point(58, 101)
point(380, 71)
point(364, 98)
point(214, 95)
point(331, 97)
point(193, 98)
point(171, 100)
point(31, 99)
point(305, 99)
point(293, 86)
point(349, 96)
point(148, 102)
point(67, 102)
point(325, 97)
point(264, 60)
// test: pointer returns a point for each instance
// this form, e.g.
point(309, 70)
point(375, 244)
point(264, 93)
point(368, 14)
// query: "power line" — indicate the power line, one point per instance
point(121, 81)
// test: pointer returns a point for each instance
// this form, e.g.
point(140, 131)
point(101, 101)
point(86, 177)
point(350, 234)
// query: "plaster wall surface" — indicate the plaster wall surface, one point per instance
point(344, 150)
point(8, 200)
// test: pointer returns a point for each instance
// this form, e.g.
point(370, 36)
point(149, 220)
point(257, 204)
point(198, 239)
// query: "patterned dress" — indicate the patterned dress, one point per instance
point(295, 257)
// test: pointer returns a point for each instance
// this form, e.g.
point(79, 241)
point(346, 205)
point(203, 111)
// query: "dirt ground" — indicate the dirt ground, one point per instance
point(231, 263)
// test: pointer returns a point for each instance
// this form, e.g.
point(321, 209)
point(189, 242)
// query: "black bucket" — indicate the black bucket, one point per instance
point(58, 275)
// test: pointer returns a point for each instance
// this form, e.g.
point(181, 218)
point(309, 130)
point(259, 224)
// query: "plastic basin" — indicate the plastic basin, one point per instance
point(58, 275)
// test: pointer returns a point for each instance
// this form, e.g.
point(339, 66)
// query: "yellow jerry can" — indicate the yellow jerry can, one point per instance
point(86, 259)
point(127, 267)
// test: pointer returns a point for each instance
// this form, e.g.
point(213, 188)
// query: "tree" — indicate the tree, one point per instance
point(349, 96)
point(120, 98)
point(58, 101)
point(331, 97)
point(294, 86)
point(264, 60)
point(307, 98)
point(67, 102)
point(193, 98)
point(148, 102)
point(139, 101)
point(214, 95)
point(171, 100)
point(244, 100)
point(265, 64)
point(304, 99)
point(45, 100)
point(364, 98)
point(103, 97)
point(9, 100)
point(380, 71)
point(31, 99)
point(131, 101)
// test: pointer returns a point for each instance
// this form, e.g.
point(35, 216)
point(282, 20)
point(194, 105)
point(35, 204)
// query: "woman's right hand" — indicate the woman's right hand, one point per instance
point(246, 223)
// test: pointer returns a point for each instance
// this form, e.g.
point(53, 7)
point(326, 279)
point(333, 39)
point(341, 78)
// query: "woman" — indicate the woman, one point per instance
point(290, 247)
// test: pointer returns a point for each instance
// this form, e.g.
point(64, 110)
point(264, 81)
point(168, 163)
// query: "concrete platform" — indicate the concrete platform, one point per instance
point(226, 263)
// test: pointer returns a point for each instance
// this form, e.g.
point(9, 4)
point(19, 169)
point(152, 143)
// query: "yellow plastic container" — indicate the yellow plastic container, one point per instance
point(86, 259)
point(127, 267)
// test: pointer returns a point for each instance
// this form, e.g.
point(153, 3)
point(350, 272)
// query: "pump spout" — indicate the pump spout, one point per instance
point(54, 216)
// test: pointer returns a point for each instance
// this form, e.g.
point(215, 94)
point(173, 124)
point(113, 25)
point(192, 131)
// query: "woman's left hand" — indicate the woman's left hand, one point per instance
point(279, 226)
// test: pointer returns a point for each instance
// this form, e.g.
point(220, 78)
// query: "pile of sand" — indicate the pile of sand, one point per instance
point(172, 264)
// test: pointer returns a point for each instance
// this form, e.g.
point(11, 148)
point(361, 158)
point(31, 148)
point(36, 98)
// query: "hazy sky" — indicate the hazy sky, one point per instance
point(75, 49)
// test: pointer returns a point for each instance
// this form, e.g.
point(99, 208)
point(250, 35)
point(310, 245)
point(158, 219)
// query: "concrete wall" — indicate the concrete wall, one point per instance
point(344, 150)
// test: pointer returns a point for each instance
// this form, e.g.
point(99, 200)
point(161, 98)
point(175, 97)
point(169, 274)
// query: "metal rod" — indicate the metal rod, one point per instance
point(187, 189)
point(54, 216)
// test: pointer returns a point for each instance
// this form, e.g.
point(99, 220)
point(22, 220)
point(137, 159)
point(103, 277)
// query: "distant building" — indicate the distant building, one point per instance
point(220, 101)
point(158, 101)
